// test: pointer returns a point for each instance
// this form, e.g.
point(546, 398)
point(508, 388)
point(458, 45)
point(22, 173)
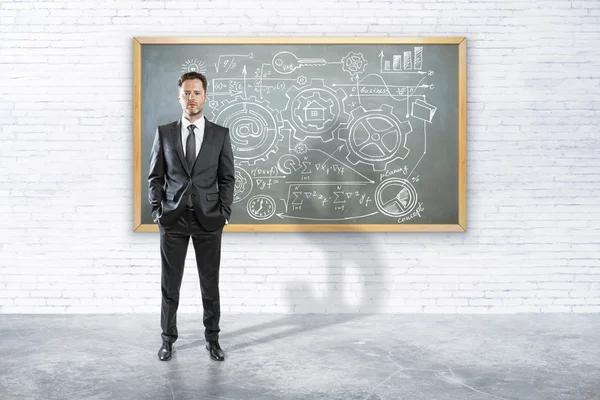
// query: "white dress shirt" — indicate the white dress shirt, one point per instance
point(198, 132)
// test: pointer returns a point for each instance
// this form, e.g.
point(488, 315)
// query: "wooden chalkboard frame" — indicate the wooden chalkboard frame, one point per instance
point(138, 179)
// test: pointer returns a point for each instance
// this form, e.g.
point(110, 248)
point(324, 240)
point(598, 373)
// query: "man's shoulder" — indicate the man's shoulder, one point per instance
point(168, 126)
point(216, 126)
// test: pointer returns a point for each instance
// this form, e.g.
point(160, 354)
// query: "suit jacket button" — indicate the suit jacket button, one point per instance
point(193, 195)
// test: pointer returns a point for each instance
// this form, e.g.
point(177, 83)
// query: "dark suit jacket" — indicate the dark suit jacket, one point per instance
point(210, 181)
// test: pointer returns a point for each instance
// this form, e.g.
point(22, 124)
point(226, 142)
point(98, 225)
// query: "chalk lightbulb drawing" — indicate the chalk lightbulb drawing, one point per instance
point(194, 65)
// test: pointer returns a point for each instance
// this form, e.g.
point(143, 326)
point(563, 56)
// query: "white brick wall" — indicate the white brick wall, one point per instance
point(533, 239)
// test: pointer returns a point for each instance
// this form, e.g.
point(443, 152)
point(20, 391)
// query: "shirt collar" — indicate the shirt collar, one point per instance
point(199, 123)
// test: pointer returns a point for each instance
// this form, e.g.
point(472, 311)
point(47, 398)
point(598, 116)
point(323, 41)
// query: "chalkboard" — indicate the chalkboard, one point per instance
point(328, 134)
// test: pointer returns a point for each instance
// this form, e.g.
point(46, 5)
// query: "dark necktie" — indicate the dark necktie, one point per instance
point(190, 155)
point(190, 147)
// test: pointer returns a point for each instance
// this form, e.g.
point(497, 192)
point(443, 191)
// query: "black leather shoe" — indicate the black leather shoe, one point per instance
point(216, 353)
point(165, 352)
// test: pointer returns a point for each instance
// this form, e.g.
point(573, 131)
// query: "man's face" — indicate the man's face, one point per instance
point(192, 97)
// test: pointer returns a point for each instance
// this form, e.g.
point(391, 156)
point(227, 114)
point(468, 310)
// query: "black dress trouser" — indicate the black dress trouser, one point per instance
point(174, 241)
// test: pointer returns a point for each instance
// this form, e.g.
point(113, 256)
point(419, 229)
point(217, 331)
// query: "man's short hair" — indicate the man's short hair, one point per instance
point(193, 75)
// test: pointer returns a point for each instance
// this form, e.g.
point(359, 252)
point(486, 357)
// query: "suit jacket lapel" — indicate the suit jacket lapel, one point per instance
point(176, 136)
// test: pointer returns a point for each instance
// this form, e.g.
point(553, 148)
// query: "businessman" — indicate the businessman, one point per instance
point(191, 183)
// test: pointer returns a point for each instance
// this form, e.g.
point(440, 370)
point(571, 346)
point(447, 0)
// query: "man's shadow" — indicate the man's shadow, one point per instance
point(343, 281)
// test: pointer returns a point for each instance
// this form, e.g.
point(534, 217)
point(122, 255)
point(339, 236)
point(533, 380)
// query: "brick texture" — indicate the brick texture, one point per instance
point(533, 239)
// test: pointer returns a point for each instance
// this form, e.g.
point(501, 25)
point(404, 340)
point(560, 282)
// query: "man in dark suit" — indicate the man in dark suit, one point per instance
point(191, 183)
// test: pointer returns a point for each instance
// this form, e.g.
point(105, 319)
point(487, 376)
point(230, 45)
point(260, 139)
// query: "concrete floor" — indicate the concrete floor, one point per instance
point(308, 357)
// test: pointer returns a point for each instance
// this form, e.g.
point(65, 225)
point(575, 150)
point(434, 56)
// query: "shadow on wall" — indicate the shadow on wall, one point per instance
point(345, 278)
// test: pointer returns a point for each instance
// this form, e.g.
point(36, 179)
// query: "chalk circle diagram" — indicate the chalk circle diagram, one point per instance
point(261, 207)
point(315, 110)
point(375, 137)
point(395, 197)
point(243, 184)
point(354, 63)
point(289, 163)
point(254, 128)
